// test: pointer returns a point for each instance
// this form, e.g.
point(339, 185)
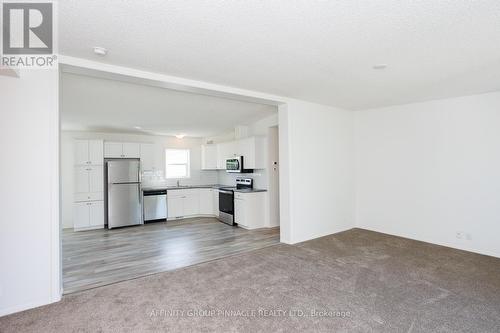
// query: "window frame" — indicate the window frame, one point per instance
point(187, 164)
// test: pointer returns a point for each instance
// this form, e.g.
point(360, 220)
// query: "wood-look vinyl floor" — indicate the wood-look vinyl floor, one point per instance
point(100, 257)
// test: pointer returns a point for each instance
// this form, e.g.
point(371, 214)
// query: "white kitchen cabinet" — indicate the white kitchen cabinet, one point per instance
point(81, 152)
point(183, 203)
point(122, 150)
point(147, 156)
point(88, 215)
point(81, 215)
point(96, 178)
point(88, 179)
point(175, 205)
point(96, 152)
point(113, 149)
point(250, 209)
point(240, 214)
point(89, 196)
point(206, 201)
point(131, 150)
point(215, 202)
point(82, 179)
point(209, 157)
point(96, 214)
point(253, 151)
point(89, 152)
point(192, 202)
point(225, 151)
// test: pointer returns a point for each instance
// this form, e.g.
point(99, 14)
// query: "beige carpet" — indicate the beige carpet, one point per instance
point(356, 281)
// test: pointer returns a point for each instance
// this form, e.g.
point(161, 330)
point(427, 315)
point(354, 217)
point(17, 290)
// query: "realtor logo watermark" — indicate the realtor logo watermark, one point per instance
point(28, 35)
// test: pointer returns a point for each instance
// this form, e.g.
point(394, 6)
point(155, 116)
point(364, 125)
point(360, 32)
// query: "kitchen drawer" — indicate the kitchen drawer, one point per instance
point(92, 196)
point(238, 195)
point(182, 192)
point(176, 193)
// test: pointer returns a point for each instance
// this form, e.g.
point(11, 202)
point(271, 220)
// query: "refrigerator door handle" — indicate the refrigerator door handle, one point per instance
point(139, 194)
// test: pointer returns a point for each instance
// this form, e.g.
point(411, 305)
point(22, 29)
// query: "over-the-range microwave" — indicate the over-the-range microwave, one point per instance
point(236, 165)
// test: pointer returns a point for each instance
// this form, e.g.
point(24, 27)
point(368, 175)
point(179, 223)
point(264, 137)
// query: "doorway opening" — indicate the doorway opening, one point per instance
point(99, 123)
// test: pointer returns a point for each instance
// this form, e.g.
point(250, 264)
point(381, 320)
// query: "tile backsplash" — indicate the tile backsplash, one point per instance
point(198, 177)
point(203, 177)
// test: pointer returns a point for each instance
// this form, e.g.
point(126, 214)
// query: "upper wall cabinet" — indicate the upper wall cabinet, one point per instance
point(225, 151)
point(88, 152)
point(147, 156)
point(209, 157)
point(252, 149)
point(122, 150)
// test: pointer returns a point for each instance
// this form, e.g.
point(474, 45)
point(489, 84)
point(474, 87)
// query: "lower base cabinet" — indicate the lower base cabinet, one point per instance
point(206, 201)
point(183, 203)
point(250, 209)
point(175, 206)
point(88, 215)
point(192, 202)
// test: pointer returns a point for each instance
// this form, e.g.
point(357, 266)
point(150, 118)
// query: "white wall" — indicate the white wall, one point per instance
point(273, 176)
point(429, 170)
point(198, 176)
point(260, 127)
point(29, 247)
point(317, 180)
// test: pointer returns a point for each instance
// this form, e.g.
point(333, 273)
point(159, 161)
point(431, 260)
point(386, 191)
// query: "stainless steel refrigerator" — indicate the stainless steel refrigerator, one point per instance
point(123, 193)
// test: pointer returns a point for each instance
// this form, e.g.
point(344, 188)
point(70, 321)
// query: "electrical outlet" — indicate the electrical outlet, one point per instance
point(459, 235)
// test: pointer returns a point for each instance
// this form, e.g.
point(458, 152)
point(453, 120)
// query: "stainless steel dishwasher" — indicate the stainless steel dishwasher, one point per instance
point(155, 205)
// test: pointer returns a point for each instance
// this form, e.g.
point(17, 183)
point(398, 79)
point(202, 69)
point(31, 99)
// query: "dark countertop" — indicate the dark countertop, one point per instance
point(253, 190)
point(215, 186)
point(186, 187)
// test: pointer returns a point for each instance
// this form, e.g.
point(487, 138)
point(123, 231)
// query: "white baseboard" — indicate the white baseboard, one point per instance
point(435, 242)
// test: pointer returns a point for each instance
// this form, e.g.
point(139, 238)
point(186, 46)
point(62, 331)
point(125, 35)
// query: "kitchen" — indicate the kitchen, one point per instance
point(137, 201)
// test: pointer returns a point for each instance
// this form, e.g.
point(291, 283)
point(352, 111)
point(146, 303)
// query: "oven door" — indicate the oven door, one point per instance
point(234, 164)
point(226, 206)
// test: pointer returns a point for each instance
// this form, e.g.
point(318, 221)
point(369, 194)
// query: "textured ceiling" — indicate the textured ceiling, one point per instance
point(320, 51)
point(94, 104)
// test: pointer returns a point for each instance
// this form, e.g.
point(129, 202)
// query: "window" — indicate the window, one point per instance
point(177, 163)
